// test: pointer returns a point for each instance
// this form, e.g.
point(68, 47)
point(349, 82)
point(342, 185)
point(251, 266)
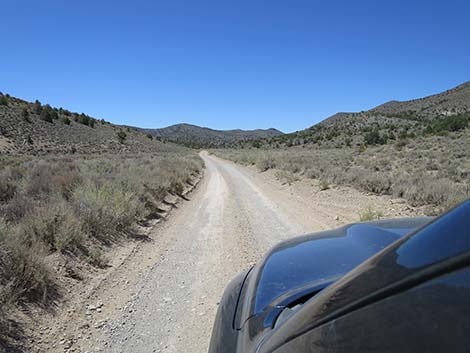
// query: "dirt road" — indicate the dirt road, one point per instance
point(164, 297)
point(229, 223)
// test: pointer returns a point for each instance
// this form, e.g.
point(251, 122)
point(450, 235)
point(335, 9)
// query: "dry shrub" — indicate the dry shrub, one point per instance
point(23, 273)
point(17, 208)
point(55, 224)
point(370, 214)
point(324, 185)
point(7, 189)
point(107, 210)
point(265, 164)
point(375, 182)
point(47, 178)
point(286, 177)
point(177, 187)
point(426, 190)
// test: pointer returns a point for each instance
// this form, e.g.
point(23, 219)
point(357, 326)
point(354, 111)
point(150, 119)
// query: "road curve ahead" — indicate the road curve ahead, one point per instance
point(231, 220)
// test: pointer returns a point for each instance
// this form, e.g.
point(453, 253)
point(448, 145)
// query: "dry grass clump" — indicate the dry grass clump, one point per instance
point(75, 206)
point(286, 177)
point(370, 214)
point(427, 171)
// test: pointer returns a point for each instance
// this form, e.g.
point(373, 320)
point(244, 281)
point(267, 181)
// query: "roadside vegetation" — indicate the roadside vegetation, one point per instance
point(75, 207)
point(431, 171)
point(70, 186)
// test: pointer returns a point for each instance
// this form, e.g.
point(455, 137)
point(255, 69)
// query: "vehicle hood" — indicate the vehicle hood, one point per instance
point(305, 265)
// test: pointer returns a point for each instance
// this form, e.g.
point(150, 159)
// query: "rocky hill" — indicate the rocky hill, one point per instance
point(448, 103)
point(438, 114)
point(196, 136)
point(34, 128)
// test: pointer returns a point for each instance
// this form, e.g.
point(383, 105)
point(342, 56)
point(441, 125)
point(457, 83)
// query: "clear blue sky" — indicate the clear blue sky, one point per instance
point(230, 64)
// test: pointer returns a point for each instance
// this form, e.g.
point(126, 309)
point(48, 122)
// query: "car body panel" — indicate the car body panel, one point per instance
point(431, 317)
point(440, 247)
point(297, 269)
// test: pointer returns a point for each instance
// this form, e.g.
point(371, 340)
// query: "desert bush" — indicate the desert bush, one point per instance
point(177, 187)
point(23, 272)
point(374, 138)
point(46, 179)
point(48, 114)
point(121, 136)
point(16, 209)
point(265, 163)
point(375, 182)
point(55, 224)
point(451, 123)
point(95, 257)
point(25, 115)
point(370, 214)
point(37, 107)
point(3, 100)
point(8, 187)
point(286, 177)
point(324, 185)
point(65, 120)
point(85, 120)
point(107, 210)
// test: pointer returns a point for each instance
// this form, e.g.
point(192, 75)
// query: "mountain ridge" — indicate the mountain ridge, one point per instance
point(440, 113)
point(198, 136)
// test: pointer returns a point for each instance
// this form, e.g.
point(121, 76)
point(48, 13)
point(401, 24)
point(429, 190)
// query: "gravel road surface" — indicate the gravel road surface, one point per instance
point(163, 297)
point(229, 223)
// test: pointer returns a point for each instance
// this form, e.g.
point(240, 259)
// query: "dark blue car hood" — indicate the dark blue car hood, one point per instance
point(307, 264)
point(317, 260)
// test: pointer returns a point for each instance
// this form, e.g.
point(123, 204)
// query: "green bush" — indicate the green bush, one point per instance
point(449, 124)
point(37, 107)
point(3, 100)
point(374, 138)
point(25, 115)
point(48, 114)
point(324, 185)
point(85, 120)
point(370, 214)
point(122, 136)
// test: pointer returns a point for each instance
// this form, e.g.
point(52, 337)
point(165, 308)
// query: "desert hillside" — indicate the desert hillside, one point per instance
point(39, 129)
point(436, 115)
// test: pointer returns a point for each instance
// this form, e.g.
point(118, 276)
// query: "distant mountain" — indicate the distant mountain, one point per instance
point(196, 136)
point(440, 114)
